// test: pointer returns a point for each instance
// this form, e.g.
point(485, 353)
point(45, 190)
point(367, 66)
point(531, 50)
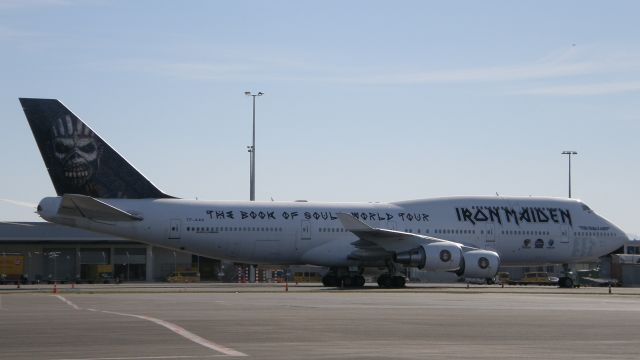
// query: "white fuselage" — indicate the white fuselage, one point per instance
point(522, 230)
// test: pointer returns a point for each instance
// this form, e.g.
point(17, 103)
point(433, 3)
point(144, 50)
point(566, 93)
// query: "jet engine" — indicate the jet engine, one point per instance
point(439, 256)
point(480, 264)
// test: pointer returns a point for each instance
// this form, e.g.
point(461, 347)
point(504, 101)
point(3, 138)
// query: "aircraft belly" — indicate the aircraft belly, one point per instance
point(333, 253)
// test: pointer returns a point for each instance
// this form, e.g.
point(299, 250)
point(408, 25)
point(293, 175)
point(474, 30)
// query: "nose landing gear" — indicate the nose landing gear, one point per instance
point(566, 280)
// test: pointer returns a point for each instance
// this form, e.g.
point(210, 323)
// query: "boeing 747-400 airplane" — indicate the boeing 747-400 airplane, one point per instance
point(471, 236)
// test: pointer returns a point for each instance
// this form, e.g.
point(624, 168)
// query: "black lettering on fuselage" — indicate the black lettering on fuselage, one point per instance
point(518, 216)
point(494, 214)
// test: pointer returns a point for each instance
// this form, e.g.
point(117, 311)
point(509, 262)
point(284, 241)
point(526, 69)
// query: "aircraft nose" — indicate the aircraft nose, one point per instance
point(612, 239)
point(624, 238)
point(620, 239)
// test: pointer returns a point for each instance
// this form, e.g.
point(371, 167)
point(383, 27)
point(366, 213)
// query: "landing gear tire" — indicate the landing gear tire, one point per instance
point(337, 277)
point(347, 281)
point(569, 283)
point(387, 281)
point(384, 281)
point(565, 282)
point(330, 280)
point(398, 281)
point(355, 281)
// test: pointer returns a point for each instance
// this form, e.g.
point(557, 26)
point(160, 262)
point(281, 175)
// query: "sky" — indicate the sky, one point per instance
point(364, 100)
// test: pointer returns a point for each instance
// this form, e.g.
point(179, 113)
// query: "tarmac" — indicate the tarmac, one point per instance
point(204, 321)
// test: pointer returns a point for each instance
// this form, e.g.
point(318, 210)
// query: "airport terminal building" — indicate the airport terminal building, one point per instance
point(44, 252)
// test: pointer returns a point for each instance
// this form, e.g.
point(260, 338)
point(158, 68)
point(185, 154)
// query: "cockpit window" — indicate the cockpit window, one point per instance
point(586, 208)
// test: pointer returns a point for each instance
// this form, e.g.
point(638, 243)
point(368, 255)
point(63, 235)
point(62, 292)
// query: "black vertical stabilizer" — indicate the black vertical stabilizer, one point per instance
point(78, 160)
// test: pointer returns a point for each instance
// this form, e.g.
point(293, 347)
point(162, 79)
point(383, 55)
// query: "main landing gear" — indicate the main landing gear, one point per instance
point(338, 277)
point(566, 280)
point(343, 277)
point(389, 280)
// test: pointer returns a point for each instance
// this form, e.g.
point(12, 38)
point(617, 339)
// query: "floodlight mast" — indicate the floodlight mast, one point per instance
point(252, 149)
point(569, 153)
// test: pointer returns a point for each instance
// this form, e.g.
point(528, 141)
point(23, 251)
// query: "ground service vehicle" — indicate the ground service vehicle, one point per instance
point(538, 278)
point(184, 277)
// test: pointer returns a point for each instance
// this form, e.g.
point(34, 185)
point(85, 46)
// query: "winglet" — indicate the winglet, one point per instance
point(350, 223)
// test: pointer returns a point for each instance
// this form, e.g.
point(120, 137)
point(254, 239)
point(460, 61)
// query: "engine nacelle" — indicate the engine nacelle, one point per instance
point(480, 264)
point(439, 256)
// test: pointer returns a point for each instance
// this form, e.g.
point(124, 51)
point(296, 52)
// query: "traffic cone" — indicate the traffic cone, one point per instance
point(55, 288)
point(286, 286)
point(18, 284)
point(73, 285)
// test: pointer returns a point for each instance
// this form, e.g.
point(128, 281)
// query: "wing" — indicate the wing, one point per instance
point(424, 252)
point(375, 243)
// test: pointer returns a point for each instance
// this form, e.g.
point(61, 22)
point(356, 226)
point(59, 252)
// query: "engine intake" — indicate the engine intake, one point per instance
point(480, 264)
point(440, 256)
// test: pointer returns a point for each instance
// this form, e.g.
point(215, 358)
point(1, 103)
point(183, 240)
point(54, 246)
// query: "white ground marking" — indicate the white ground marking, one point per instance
point(150, 357)
point(184, 333)
point(68, 302)
point(173, 327)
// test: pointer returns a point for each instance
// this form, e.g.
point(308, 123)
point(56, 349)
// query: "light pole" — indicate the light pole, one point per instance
point(569, 153)
point(252, 149)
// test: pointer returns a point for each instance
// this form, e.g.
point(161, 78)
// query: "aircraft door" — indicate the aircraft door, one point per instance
point(174, 229)
point(305, 230)
point(302, 240)
point(489, 237)
point(565, 234)
point(563, 241)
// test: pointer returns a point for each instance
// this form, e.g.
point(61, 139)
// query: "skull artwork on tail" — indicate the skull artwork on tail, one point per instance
point(76, 149)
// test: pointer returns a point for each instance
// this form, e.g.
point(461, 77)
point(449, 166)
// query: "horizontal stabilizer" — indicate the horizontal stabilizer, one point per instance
point(90, 208)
